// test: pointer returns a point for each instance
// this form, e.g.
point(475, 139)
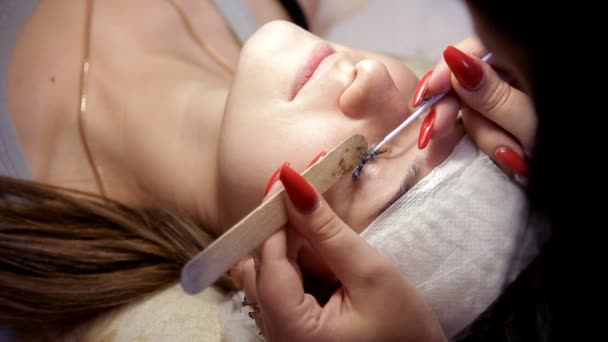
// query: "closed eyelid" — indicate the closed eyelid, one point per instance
point(406, 183)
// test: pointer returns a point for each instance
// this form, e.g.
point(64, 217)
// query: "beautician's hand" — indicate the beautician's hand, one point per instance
point(373, 302)
point(497, 116)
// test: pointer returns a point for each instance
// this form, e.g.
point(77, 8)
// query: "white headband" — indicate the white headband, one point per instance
point(454, 234)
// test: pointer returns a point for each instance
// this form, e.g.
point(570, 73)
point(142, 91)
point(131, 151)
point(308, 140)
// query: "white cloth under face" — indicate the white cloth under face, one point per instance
point(454, 234)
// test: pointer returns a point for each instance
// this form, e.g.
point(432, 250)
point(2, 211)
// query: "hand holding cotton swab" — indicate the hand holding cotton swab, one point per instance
point(375, 150)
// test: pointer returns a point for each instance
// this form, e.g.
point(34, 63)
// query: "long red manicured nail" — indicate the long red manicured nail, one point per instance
point(273, 179)
point(319, 156)
point(467, 70)
point(421, 88)
point(301, 193)
point(510, 160)
point(426, 130)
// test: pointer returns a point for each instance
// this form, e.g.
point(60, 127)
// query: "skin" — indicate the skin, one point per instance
point(168, 126)
point(154, 101)
point(350, 92)
point(370, 300)
point(160, 111)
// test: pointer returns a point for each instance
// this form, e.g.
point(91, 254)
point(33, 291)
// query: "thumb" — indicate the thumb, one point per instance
point(482, 89)
point(353, 261)
point(439, 80)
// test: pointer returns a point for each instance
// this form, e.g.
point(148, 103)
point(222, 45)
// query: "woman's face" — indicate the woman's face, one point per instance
point(507, 56)
point(295, 95)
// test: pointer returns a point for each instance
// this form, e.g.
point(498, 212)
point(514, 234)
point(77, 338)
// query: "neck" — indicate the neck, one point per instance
point(154, 107)
point(158, 139)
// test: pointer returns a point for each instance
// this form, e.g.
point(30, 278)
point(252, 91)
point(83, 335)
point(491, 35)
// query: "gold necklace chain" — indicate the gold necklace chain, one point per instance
point(199, 41)
point(82, 110)
point(84, 79)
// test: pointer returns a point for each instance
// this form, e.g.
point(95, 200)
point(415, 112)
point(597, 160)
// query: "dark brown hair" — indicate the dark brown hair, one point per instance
point(538, 305)
point(66, 256)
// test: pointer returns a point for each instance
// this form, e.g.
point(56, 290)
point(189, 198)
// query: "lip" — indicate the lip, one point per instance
point(318, 53)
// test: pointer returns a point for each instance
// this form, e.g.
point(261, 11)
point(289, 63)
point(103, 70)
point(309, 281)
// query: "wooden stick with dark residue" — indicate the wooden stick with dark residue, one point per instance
point(240, 240)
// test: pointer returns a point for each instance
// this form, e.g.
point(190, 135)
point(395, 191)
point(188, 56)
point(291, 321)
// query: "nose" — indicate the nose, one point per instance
point(374, 95)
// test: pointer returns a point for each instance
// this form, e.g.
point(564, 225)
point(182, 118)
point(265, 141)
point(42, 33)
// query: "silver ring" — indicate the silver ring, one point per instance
point(246, 303)
point(253, 307)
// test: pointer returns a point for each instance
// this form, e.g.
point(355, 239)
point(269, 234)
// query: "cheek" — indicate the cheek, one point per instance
point(240, 185)
point(251, 149)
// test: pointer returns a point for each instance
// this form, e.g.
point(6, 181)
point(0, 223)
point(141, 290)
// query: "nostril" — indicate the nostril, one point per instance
point(372, 93)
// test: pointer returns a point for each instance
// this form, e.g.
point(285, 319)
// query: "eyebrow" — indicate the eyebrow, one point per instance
point(406, 183)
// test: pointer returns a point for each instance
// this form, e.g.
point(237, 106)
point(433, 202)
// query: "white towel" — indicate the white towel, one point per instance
point(454, 234)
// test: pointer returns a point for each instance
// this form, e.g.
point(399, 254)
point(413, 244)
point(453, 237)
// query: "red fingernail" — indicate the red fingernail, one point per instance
point(301, 193)
point(467, 70)
point(273, 179)
point(316, 159)
point(421, 88)
point(426, 130)
point(510, 160)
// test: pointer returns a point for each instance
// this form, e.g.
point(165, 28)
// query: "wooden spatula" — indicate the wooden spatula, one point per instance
point(240, 240)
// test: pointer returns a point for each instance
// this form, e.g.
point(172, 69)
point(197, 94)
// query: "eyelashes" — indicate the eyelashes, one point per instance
point(408, 181)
